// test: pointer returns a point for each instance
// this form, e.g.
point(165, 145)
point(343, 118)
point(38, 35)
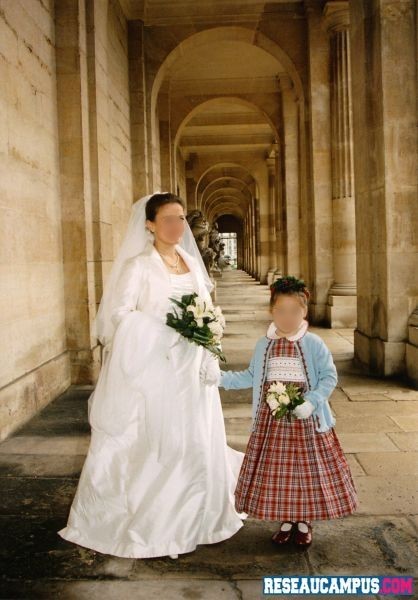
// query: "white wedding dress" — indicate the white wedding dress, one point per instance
point(159, 478)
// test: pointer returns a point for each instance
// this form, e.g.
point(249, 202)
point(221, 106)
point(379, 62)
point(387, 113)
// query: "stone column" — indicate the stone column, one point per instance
point(138, 112)
point(291, 200)
point(166, 182)
point(246, 243)
point(252, 239)
point(280, 213)
point(257, 237)
point(319, 242)
point(190, 191)
point(412, 348)
point(165, 152)
point(85, 173)
point(271, 168)
point(342, 301)
point(383, 43)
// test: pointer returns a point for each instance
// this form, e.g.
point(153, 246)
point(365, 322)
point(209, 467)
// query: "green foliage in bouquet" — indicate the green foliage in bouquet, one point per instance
point(199, 322)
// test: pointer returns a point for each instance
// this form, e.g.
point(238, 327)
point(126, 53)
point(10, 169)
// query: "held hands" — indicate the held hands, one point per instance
point(210, 372)
point(303, 411)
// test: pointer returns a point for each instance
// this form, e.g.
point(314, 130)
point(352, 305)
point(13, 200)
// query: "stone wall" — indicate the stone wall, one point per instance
point(35, 365)
point(66, 158)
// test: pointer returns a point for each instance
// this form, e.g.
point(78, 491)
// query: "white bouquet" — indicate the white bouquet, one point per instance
point(199, 321)
point(283, 399)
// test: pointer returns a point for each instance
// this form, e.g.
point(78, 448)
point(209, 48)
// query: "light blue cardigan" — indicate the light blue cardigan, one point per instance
point(319, 365)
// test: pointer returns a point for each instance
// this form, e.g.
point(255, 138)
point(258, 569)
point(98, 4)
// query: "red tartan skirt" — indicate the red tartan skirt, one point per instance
point(291, 472)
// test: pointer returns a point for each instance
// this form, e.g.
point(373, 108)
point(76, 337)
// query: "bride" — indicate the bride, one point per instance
point(159, 477)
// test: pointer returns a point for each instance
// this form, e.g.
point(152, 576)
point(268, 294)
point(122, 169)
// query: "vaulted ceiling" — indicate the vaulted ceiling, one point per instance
point(169, 12)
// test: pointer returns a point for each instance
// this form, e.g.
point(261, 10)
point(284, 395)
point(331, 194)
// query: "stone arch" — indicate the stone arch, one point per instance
point(228, 33)
point(220, 194)
point(225, 166)
point(221, 183)
point(229, 98)
point(211, 192)
point(204, 38)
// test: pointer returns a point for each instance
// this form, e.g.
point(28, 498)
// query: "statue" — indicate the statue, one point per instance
point(200, 229)
point(216, 245)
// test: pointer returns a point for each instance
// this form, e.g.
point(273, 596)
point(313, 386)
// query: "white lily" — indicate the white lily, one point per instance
point(272, 402)
point(278, 387)
point(199, 310)
point(284, 399)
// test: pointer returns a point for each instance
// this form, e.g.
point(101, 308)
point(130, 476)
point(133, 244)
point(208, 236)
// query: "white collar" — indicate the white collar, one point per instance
point(271, 331)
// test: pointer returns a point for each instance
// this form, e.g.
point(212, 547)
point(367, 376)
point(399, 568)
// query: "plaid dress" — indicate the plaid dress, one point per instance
point(290, 471)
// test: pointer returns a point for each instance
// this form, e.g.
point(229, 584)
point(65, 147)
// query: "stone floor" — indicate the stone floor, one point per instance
point(377, 422)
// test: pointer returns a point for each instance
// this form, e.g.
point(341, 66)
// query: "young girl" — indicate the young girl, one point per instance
point(294, 471)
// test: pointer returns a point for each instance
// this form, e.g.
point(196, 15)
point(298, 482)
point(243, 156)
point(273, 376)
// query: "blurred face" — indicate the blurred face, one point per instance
point(288, 312)
point(169, 223)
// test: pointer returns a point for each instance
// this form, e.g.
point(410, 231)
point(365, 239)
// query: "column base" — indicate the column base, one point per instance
point(412, 349)
point(379, 357)
point(341, 311)
point(22, 398)
point(317, 314)
point(270, 275)
point(412, 364)
point(85, 365)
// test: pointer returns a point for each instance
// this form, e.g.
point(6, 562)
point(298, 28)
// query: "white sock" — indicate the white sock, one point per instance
point(303, 527)
point(286, 527)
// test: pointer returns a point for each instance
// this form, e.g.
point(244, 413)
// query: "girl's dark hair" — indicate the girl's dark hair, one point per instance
point(291, 286)
point(158, 200)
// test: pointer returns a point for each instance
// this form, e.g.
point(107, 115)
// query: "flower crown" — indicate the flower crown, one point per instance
point(289, 283)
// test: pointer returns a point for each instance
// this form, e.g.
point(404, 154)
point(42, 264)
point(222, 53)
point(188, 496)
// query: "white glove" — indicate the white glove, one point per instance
point(303, 411)
point(210, 372)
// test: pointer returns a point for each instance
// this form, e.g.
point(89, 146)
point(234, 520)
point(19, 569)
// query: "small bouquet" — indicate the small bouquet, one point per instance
point(199, 321)
point(283, 399)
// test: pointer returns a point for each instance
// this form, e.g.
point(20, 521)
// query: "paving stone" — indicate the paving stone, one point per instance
point(237, 410)
point(390, 408)
point(355, 467)
point(38, 444)
point(41, 465)
point(181, 589)
point(364, 545)
point(238, 425)
point(403, 394)
point(407, 423)
point(391, 495)
point(387, 464)
point(407, 441)
point(367, 442)
point(36, 495)
point(365, 396)
point(359, 424)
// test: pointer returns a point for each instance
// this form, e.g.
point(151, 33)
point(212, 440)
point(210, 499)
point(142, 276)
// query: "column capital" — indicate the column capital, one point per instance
point(271, 165)
point(336, 16)
point(286, 85)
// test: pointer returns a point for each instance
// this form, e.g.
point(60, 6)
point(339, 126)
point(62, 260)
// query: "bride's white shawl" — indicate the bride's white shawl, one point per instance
point(139, 379)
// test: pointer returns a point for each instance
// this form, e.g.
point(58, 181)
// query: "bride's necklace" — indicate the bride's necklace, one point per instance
point(176, 265)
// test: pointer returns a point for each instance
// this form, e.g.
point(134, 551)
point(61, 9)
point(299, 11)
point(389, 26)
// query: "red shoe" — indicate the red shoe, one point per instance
point(283, 537)
point(303, 539)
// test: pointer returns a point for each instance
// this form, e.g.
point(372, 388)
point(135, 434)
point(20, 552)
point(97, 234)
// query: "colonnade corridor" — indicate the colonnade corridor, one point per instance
point(377, 424)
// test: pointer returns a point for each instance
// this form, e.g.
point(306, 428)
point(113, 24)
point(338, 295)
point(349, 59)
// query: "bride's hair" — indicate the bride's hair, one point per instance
point(158, 200)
